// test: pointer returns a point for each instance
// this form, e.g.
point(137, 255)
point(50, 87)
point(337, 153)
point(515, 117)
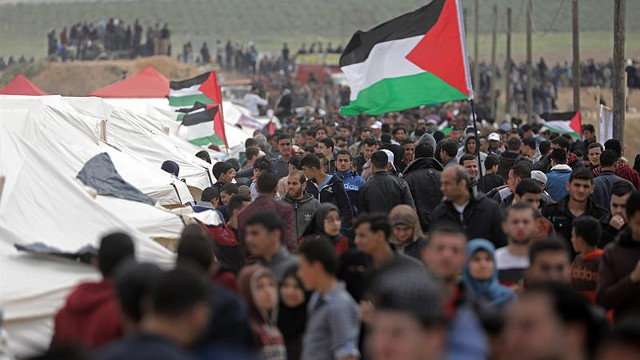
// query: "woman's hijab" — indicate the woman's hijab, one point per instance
point(489, 290)
point(406, 215)
point(247, 285)
point(292, 320)
point(316, 226)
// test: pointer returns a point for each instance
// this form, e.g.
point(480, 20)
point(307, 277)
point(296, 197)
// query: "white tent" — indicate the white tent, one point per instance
point(40, 204)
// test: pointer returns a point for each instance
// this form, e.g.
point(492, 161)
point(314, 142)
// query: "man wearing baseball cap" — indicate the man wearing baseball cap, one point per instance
point(494, 143)
point(383, 191)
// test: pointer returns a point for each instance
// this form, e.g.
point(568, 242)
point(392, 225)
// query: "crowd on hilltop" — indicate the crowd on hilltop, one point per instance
point(402, 236)
point(12, 61)
point(108, 39)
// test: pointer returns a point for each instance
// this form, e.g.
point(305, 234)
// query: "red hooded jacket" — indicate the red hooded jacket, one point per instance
point(90, 316)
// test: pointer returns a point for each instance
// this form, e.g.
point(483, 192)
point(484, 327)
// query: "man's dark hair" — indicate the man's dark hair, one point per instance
point(588, 127)
point(235, 163)
point(236, 202)
point(328, 143)
point(315, 132)
point(608, 158)
point(449, 147)
point(385, 138)
point(377, 222)
point(295, 161)
point(522, 169)
point(633, 204)
point(446, 228)
point(283, 136)
point(407, 142)
point(399, 128)
point(370, 141)
point(319, 249)
point(621, 188)
point(518, 207)
point(491, 161)
point(230, 188)
point(114, 249)
point(514, 144)
point(343, 152)
point(544, 147)
point(551, 244)
point(530, 143)
point(559, 156)
point(424, 150)
point(614, 145)
point(379, 159)
point(263, 164)
point(133, 283)
point(595, 145)
point(528, 186)
point(581, 174)
point(268, 220)
point(204, 155)
point(220, 168)
point(250, 142)
point(311, 161)
point(562, 142)
point(589, 229)
point(177, 291)
point(195, 248)
point(467, 157)
point(209, 194)
point(251, 152)
point(266, 183)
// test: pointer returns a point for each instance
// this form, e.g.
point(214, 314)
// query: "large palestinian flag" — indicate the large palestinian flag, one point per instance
point(415, 59)
point(195, 93)
point(200, 127)
point(564, 123)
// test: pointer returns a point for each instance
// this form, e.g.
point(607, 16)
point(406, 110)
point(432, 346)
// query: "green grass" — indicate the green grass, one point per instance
point(270, 22)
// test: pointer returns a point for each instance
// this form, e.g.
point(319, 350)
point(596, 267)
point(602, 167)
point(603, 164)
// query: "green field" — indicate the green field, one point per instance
point(270, 22)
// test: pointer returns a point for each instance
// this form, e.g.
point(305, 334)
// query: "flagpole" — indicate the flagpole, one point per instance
point(474, 115)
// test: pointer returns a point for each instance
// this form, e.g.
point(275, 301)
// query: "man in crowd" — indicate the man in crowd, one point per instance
point(372, 238)
point(618, 214)
point(280, 165)
point(478, 215)
point(548, 262)
point(577, 203)
point(491, 180)
point(409, 148)
point(90, 316)
point(622, 169)
point(470, 163)
point(423, 177)
point(304, 205)
point(584, 270)
point(324, 150)
point(604, 183)
point(327, 188)
point(266, 187)
point(510, 156)
point(559, 175)
point(619, 276)
point(383, 191)
point(504, 195)
point(369, 146)
point(352, 181)
point(333, 325)
point(448, 152)
point(593, 155)
point(264, 235)
point(512, 260)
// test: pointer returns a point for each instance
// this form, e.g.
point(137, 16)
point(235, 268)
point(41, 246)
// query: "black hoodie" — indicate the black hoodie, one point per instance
point(423, 177)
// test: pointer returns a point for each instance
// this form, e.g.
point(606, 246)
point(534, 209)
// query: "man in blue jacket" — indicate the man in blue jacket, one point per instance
point(559, 175)
point(352, 181)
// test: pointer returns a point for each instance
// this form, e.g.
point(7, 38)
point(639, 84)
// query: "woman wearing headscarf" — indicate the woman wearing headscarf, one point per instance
point(326, 221)
point(481, 275)
point(292, 314)
point(407, 236)
point(259, 288)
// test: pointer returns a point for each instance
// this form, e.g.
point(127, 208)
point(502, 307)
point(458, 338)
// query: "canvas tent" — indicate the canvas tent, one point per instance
point(39, 203)
point(20, 85)
point(148, 83)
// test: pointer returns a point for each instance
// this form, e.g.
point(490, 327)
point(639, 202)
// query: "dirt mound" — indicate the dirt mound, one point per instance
point(79, 78)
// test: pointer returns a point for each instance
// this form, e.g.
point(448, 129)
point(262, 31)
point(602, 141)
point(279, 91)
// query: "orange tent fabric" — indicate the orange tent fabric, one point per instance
point(148, 83)
point(20, 85)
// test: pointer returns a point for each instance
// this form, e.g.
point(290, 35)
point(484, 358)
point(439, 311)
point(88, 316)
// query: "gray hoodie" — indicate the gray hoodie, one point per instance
point(303, 211)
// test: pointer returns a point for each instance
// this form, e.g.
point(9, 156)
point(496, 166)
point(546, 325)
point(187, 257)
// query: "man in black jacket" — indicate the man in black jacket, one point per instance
point(510, 157)
point(383, 191)
point(423, 177)
point(479, 216)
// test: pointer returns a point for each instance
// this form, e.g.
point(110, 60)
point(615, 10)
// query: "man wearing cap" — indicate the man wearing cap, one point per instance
point(494, 143)
point(383, 191)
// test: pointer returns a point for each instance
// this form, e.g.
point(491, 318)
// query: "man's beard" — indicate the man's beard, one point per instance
point(524, 241)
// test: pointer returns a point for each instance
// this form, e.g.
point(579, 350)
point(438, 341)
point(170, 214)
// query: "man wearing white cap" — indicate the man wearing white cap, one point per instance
point(383, 191)
point(494, 143)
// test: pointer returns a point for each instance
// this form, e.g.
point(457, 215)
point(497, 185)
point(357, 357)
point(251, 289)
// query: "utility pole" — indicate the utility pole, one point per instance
point(619, 84)
point(529, 63)
point(494, 39)
point(577, 74)
point(476, 55)
point(507, 67)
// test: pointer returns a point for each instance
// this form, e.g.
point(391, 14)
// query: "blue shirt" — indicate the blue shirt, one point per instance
point(333, 326)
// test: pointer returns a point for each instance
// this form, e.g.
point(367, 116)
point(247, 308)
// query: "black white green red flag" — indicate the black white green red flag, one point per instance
point(564, 123)
point(415, 59)
point(200, 127)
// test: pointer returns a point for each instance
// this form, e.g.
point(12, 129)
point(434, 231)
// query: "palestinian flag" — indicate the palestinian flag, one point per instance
point(415, 59)
point(564, 123)
point(201, 126)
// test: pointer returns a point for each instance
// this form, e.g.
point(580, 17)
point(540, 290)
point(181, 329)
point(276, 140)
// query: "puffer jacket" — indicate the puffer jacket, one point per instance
point(382, 192)
point(423, 177)
point(303, 211)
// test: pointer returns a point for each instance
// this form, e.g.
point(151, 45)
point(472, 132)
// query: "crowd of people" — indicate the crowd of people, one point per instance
point(109, 39)
point(12, 61)
point(384, 238)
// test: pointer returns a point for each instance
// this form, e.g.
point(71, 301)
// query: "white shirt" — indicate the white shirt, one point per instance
point(506, 260)
point(251, 102)
point(460, 209)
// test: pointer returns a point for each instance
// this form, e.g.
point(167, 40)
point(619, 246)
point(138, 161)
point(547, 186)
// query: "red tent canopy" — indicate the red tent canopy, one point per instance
point(148, 83)
point(20, 85)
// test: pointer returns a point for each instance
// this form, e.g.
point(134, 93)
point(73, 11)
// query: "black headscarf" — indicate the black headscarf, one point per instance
point(316, 226)
point(293, 320)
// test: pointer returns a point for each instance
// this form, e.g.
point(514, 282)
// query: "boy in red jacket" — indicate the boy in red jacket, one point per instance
point(91, 315)
point(585, 236)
